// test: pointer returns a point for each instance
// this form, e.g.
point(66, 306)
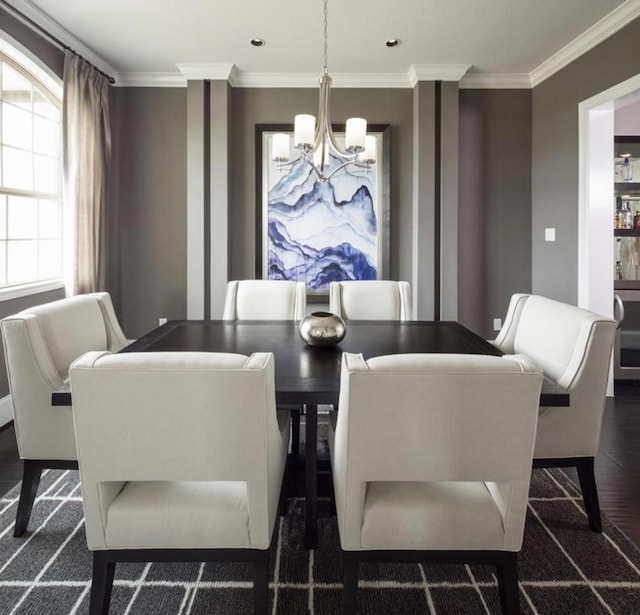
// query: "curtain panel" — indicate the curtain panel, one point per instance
point(87, 152)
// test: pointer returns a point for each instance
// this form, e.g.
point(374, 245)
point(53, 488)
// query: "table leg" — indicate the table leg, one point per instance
point(311, 477)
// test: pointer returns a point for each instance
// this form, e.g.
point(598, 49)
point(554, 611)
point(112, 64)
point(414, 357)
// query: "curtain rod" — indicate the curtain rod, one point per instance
point(40, 30)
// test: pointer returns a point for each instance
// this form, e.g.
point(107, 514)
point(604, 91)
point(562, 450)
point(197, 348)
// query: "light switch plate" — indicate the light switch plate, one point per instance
point(549, 234)
point(497, 324)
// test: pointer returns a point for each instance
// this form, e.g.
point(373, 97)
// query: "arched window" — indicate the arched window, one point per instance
point(31, 215)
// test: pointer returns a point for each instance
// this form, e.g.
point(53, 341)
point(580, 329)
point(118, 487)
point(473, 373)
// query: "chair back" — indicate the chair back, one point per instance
point(573, 347)
point(40, 343)
point(371, 300)
point(432, 418)
point(264, 300)
point(184, 416)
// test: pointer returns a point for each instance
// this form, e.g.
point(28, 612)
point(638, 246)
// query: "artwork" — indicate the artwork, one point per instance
point(322, 232)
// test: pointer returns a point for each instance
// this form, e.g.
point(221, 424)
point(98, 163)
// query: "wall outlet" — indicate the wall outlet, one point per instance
point(161, 321)
point(497, 324)
point(549, 234)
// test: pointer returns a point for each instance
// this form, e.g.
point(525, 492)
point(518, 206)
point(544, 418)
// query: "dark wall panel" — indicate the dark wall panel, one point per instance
point(495, 203)
point(148, 206)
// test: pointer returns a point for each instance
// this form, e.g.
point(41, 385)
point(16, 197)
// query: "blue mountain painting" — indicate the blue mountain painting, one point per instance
point(322, 232)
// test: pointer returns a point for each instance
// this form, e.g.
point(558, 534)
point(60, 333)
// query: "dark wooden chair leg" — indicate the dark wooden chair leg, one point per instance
point(295, 432)
point(587, 479)
point(101, 585)
point(508, 584)
point(261, 584)
point(350, 591)
point(282, 502)
point(30, 481)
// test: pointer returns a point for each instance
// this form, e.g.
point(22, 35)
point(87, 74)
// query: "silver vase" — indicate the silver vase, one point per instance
point(322, 329)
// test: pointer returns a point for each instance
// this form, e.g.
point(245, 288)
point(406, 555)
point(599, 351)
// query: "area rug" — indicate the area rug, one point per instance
point(564, 568)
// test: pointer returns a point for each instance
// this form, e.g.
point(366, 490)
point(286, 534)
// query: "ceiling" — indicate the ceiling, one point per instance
point(509, 42)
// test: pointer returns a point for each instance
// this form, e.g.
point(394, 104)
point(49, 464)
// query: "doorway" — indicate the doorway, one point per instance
point(596, 208)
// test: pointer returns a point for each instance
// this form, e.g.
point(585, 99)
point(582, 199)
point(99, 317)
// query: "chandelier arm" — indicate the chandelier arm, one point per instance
point(318, 172)
point(324, 127)
point(342, 166)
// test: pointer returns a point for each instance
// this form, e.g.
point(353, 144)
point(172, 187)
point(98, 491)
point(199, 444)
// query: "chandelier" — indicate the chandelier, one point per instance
point(316, 141)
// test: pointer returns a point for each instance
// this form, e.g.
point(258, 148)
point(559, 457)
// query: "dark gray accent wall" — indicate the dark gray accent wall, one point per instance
point(555, 156)
point(494, 218)
point(250, 106)
point(148, 206)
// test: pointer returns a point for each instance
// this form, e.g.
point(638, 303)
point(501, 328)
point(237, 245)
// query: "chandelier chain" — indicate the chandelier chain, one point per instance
point(326, 44)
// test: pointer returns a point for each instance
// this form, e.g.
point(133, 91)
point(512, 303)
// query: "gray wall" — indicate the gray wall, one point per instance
point(40, 47)
point(555, 156)
point(250, 106)
point(148, 215)
point(494, 221)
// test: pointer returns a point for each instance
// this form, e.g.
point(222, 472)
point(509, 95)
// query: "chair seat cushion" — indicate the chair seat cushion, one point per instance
point(179, 515)
point(437, 515)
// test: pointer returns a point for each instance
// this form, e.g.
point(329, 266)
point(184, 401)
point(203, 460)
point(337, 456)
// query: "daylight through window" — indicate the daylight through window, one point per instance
point(30, 172)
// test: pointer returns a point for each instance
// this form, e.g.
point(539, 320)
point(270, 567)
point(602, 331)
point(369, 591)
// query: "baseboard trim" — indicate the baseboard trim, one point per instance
point(6, 414)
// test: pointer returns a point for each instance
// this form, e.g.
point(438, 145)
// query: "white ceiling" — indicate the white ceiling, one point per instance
point(513, 42)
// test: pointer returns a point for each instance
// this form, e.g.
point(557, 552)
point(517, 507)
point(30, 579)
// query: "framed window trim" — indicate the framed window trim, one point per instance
point(45, 84)
point(33, 288)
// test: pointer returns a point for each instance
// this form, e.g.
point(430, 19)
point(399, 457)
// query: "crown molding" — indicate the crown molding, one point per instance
point(436, 72)
point(496, 81)
point(312, 80)
point(214, 71)
point(607, 26)
point(151, 80)
point(54, 28)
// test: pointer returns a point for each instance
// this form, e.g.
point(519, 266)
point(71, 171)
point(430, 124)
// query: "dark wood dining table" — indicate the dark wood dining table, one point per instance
point(306, 375)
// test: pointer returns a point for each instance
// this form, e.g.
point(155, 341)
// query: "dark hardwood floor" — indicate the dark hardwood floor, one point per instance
point(617, 464)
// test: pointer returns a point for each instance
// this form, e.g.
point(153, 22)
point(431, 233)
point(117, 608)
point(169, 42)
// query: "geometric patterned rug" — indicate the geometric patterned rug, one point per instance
point(564, 567)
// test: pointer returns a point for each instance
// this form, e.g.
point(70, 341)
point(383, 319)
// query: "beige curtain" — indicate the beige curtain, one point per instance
point(87, 152)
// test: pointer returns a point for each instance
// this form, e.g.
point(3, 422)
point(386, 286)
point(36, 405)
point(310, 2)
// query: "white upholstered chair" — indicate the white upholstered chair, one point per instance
point(573, 348)
point(181, 459)
point(444, 476)
point(39, 344)
point(371, 300)
point(264, 300)
point(268, 300)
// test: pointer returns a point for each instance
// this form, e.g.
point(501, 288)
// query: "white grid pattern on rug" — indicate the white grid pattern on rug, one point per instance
point(564, 567)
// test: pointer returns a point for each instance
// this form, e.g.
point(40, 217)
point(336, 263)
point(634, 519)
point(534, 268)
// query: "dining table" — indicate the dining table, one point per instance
point(309, 376)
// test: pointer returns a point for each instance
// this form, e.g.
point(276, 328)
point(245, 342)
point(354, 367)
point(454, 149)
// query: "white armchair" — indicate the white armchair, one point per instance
point(181, 458)
point(269, 300)
point(443, 477)
point(371, 300)
point(39, 344)
point(264, 300)
point(573, 348)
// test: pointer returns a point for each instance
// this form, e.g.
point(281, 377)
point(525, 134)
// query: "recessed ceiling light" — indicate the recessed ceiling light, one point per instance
point(257, 42)
point(392, 42)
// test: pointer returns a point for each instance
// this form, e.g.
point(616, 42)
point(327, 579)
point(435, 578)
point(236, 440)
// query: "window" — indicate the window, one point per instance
point(30, 172)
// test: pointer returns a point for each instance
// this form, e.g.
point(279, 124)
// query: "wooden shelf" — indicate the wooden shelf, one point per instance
point(626, 232)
